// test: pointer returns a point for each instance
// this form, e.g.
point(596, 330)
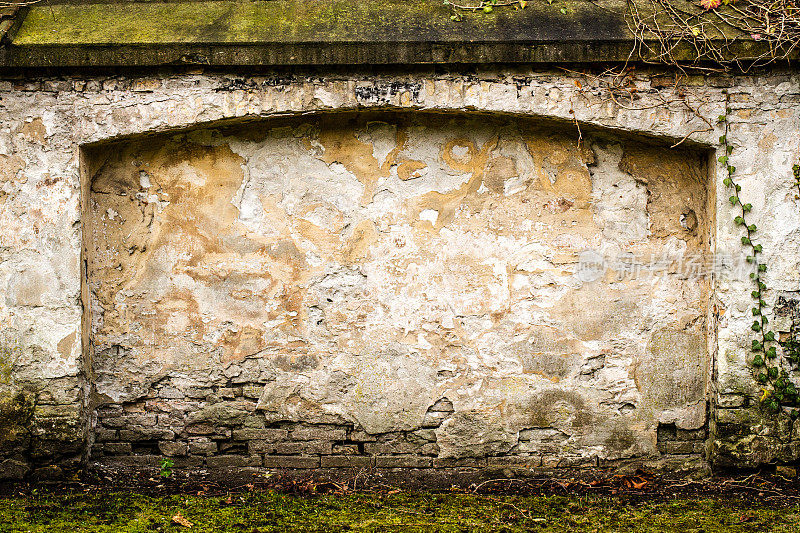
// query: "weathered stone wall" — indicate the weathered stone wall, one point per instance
point(221, 342)
point(411, 280)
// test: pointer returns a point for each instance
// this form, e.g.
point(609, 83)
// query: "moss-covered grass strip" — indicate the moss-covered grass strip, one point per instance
point(271, 511)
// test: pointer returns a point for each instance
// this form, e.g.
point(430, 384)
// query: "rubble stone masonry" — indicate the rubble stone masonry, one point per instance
point(409, 269)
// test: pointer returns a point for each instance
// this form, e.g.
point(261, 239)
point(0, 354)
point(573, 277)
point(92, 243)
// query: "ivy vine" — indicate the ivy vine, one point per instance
point(779, 390)
point(796, 170)
point(791, 345)
point(487, 6)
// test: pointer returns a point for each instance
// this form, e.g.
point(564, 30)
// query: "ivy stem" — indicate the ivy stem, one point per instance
point(763, 346)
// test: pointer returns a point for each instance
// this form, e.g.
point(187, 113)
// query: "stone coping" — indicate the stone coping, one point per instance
point(81, 33)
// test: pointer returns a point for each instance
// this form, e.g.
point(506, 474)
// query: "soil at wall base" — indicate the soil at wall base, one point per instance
point(766, 485)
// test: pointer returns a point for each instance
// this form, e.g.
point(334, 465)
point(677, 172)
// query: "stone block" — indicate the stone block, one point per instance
point(222, 433)
point(311, 447)
point(116, 448)
point(267, 434)
point(61, 391)
point(260, 446)
point(252, 391)
point(683, 447)
point(227, 413)
point(403, 461)
point(108, 411)
point(422, 436)
point(731, 401)
point(103, 435)
point(434, 419)
point(345, 449)
point(460, 462)
point(135, 407)
point(560, 461)
point(44, 448)
point(70, 411)
point(48, 473)
point(290, 461)
point(145, 434)
point(537, 447)
point(318, 433)
point(392, 447)
point(12, 470)
point(361, 436)
point(133, 461)
point(128, 420)
point(737, 416)
point(690, 434)
point(145, 85)
point(202, 447)
point(513, 461)
point(346, 461)
point(173, 448)
point(170, 393)
point(256, 421)
point(187, 462)
point(232, 461)
point(200, 429)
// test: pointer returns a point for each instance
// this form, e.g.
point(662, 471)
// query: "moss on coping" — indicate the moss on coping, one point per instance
point(78, 33)
point(300, 21)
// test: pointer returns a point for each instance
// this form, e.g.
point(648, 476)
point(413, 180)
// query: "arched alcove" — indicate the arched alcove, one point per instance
point(410, 286)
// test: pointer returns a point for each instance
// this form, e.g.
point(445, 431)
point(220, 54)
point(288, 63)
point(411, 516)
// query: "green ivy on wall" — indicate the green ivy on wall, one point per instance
point(769, 366)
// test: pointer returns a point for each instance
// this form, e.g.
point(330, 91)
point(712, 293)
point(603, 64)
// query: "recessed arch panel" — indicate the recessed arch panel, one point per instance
point(397, 284)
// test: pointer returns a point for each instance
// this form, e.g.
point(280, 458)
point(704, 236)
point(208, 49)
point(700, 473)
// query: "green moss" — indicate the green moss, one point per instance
point(59, 422)
point(344, 32)
point(5, 367)
point(16, 412)
point(297, 21)
point(7, 350)
point(268, 511)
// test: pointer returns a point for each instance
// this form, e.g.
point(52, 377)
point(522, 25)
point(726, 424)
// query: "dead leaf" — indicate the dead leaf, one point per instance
point(710, 4)
point(181, 521)
point(636, 483)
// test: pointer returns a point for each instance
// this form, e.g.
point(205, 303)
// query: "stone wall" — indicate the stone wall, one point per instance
point(180, 305)
point(401, 285)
